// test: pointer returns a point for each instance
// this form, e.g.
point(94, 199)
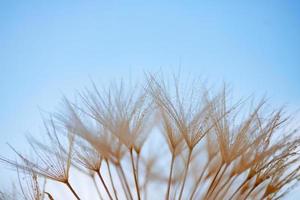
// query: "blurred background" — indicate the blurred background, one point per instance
point(53, 48)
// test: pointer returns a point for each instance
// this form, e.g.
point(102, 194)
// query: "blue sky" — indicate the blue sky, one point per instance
point(50, 48)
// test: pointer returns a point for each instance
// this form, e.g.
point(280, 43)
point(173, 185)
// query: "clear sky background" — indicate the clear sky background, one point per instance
point(51, 48)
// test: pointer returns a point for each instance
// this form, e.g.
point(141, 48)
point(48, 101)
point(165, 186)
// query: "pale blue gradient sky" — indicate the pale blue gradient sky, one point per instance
point(50, 48)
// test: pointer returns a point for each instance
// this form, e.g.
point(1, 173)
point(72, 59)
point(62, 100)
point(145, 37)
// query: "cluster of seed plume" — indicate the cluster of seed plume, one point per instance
point(161, 141)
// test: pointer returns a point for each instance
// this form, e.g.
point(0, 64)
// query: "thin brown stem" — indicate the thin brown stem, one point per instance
point(238, 189)
point(125, 180)
point(105, 186)
point(122, 182)
point(170, 177)
point(224, 186)
point(111, 179)
point(96, 186)
point(212, 182)
point(198, 181)
point(72, 190)
point(218, 180)
point(137, 166)
point(227, 187)
point(250, 191)
point(135, 175)
point(185, 173)
point(49, 195)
